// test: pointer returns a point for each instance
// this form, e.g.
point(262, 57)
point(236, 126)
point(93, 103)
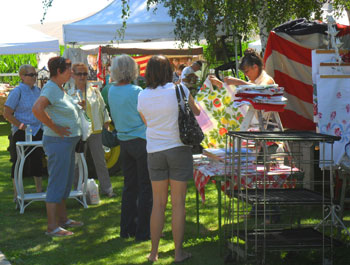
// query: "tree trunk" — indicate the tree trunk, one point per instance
point(262, 27)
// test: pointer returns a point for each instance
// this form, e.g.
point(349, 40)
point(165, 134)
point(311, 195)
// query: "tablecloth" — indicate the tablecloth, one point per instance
point(206, 169)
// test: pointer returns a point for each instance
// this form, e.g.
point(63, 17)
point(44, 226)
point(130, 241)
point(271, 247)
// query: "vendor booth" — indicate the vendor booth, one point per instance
point(141, 52)
point(269, 175)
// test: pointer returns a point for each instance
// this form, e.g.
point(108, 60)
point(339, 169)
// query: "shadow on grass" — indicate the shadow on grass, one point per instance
point(23, 240)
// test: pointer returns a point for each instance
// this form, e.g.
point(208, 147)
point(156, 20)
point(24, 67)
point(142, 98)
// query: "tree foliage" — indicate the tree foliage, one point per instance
point(340, 5)
point(196, 19)
point(208, 19)
point(46, 5)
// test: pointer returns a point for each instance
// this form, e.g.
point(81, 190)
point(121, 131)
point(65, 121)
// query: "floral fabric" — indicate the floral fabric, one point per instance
point(218, 115)
point(333, 96)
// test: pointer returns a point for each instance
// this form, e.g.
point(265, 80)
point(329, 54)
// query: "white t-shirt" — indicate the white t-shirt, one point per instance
point(186, 71)
point(160, 109)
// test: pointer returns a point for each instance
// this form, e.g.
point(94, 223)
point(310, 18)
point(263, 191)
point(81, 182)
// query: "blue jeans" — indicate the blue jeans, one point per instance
point(60, 164)
point(137, 191)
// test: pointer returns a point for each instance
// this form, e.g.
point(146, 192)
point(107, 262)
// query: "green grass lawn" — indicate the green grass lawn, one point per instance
point(23, 239)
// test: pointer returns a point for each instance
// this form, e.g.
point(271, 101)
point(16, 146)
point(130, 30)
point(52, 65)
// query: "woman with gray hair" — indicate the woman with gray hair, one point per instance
point(137, 191)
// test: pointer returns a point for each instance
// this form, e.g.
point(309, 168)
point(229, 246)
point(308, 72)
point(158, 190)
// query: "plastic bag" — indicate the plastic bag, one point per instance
point(85, 125)
point(93, 196)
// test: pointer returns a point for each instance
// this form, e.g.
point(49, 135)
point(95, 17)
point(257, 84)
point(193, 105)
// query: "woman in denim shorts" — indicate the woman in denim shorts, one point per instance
point(169, 160)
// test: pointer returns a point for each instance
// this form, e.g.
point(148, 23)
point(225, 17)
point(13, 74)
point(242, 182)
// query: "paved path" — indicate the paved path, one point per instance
point(3, 260)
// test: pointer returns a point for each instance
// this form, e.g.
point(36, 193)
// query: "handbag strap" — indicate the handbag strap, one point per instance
point(180, 94)
point(183, 94)
point(177, 95)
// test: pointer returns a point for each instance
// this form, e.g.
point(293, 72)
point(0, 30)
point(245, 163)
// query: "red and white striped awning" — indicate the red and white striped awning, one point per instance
point(288, 60)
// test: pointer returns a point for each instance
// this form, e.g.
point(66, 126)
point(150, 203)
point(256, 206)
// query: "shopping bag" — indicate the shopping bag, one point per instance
point(85, 125)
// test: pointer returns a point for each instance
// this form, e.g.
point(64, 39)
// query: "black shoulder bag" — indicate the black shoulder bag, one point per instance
point(190, 131)
point(109, 138)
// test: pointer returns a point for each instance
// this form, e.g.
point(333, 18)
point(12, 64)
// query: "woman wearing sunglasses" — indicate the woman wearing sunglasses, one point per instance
point(18, 111)
point(98, 114)
point(59, 114)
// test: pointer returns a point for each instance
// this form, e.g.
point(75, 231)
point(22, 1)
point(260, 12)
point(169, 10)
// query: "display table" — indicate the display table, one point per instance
point(79, 194)
point(206, 170)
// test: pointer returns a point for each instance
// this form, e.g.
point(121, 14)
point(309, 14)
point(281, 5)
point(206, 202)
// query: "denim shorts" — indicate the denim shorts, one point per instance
point(175, 163)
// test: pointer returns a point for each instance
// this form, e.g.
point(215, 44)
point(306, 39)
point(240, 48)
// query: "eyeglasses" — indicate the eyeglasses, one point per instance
point(81, 74)
point(32, 74)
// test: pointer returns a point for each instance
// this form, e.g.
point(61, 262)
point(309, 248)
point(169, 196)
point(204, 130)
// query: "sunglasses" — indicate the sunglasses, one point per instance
point(31, 74)
point(63, 61)
point(81, 74)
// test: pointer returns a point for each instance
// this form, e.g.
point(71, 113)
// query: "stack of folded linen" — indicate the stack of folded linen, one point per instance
point(261, 97)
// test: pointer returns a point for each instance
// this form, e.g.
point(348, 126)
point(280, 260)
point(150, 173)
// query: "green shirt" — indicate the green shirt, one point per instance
point(104, 94)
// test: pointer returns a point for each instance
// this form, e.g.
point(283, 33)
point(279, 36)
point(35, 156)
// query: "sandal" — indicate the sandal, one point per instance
point(59, 232)
point(72, 223)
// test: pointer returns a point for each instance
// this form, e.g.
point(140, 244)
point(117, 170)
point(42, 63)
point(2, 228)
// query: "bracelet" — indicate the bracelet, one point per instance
point(21, 126)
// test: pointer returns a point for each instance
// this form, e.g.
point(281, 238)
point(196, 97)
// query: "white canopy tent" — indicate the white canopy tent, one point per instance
point(142, 25)
point(23, 39)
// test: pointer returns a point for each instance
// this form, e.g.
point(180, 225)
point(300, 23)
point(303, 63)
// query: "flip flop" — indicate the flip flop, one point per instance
point(72, 223)
point(59, 232)
point(187, 256)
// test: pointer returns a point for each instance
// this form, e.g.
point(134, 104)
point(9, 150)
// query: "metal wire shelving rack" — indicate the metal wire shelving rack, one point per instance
point(265, 183)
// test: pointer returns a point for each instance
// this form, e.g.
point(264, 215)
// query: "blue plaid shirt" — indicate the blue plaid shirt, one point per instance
point(21, 99)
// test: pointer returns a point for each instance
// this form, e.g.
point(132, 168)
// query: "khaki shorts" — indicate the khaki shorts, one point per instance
point(175, 163)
